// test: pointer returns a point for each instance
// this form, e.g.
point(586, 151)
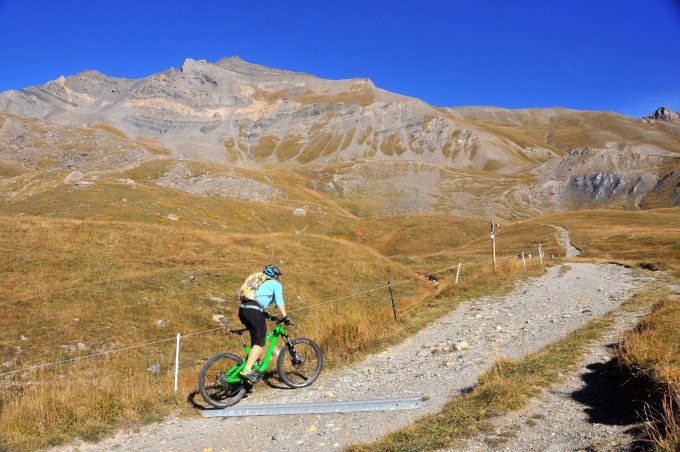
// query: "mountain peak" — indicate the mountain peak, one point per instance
point(233, 64)
point(233, 58)
point(663, 114)
point(240, 66)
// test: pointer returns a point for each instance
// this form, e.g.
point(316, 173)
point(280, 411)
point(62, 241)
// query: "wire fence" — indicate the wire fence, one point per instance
point(196, 333)
point(222, 328)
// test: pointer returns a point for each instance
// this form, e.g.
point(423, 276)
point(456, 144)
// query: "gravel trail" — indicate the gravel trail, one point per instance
point(588, 411)
point(539, 311)
point(569, 248)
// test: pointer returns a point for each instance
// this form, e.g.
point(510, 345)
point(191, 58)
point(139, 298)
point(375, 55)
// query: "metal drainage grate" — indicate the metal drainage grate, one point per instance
point(407, 403)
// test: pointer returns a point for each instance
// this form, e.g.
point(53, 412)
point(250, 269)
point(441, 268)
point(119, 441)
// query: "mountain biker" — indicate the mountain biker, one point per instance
point(251, 314)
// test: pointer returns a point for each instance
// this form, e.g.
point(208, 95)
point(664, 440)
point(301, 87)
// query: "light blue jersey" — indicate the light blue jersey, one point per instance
point(269, 292)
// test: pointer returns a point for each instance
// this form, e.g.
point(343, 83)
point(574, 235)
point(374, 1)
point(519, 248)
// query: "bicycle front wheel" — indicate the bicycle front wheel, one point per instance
point(212, 384)
point(300, 364)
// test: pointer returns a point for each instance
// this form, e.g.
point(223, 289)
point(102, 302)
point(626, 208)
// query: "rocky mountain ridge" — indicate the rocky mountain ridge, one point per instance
point(351, 138)
point(239, 112)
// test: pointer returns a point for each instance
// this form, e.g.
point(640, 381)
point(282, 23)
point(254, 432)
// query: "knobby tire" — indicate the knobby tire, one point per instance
point(300, 374)
point(214, 390)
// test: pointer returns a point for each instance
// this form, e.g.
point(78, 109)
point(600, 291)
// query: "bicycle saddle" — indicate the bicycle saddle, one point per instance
point(239, 332)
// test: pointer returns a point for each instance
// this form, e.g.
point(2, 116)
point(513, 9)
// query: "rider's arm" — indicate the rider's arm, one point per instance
point(278, 297)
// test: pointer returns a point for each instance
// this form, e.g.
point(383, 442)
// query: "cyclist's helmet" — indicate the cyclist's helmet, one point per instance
point(272, 271)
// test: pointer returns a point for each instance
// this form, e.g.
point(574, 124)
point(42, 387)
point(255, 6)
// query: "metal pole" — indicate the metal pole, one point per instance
point(458, 273)
point(407, 403)
point(493, 245)
point(394, 308)
point(176, 361)
point(524, 261)
point(540, 253)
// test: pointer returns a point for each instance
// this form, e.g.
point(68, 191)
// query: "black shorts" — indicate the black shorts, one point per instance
point(256, 323)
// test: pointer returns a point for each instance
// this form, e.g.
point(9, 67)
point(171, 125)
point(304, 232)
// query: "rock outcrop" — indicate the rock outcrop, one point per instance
point(663, 114)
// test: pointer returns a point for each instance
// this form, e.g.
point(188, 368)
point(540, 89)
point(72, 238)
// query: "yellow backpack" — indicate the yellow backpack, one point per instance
point(247, 290)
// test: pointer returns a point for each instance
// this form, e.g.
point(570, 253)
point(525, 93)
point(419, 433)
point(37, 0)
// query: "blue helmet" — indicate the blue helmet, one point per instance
point(272, 271)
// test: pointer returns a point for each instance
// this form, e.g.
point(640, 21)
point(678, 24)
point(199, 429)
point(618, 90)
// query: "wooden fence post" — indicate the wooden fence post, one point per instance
point(394, 307)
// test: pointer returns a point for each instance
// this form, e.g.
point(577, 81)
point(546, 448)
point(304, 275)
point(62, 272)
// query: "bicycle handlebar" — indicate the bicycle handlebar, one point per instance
point(275, 319)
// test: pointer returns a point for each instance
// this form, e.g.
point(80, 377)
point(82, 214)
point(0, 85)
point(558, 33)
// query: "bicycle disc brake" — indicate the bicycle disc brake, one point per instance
point(295, 357)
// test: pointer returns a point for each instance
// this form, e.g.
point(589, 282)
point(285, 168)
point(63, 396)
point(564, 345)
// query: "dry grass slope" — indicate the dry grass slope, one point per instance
point(95, 286)
point(652, 355)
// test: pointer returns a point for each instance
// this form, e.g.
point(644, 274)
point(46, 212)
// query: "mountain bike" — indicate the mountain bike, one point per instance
point(299, 364)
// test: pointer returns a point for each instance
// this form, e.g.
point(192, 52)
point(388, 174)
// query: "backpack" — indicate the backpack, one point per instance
point(247, 290)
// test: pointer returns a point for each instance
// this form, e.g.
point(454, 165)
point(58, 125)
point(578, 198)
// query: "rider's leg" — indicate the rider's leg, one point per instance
point(255, 352)
point(255, 322)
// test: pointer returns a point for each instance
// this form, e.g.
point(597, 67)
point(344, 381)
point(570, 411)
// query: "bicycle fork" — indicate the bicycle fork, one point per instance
point(295, 357)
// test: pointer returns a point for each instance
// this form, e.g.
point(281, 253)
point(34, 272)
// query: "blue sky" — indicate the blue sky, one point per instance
point(618, 55)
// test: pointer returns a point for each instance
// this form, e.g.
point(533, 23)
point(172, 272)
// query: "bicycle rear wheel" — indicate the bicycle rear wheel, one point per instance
point(300, 364)
point(212, 384)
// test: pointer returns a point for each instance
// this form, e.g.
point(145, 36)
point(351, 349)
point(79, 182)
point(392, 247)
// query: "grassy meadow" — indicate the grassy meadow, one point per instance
point(630, 237)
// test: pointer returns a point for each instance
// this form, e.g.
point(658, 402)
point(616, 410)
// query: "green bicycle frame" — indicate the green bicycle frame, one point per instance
point(232, 374)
